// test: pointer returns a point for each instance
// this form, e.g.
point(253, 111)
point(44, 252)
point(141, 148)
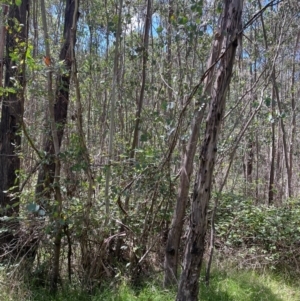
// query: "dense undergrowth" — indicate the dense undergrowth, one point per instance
point(259, 235)
point(257, 257)
point(227, 284)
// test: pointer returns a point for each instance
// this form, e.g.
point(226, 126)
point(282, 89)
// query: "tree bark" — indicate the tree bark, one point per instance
point(173, 241)
point(294, 114)
point(193, 257)
point(46, 173)
point(273, 155)
point(2, 40)
point(138, 113)
point(112, 112)
point(12, 111)
point(279, 104)
point(58, 108)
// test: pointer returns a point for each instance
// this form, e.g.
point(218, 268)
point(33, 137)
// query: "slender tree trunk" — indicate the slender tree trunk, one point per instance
point(12, 111)
point(56, 162)
point(273, 154)
point(86, 255)
point(230, 159)
point(169, 51)
point(142, 92)
point(50, 173)
point(279, 105)
point(35, 7)
point(2, 40)
point(173, 241)
point(135, 140)
point(46, 173)
point(249, 155)
point(293, 105)
point(112, 112)
point(172, 246)
point(193, 257)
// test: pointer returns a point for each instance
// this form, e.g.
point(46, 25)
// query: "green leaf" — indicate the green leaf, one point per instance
point(5, 91)
point(159, 29)
point(197, 7)
point(183, 20)
point(268, 101)
point(18, 2)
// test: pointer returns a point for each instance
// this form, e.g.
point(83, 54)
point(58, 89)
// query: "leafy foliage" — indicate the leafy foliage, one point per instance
point(266, 234)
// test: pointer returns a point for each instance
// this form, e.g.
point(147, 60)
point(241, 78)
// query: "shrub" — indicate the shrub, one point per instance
point(268, 234)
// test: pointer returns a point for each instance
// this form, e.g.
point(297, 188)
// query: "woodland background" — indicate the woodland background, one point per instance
point(99, 101)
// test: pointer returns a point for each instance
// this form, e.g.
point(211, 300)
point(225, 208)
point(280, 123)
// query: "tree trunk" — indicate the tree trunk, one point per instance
point(2, 40)
point(12, 112)
point(112, 112)
point(46, 173)
point(50, 172)
point(294, 114)
point(172, 246)
point(273, 155)
point(138, 113)
point(279, 104)
point(189, 282)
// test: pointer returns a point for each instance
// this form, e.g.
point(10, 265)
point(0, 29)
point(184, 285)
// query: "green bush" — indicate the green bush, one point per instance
point(271, 232)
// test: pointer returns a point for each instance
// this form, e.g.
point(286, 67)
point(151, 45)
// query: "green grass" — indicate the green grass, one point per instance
point(224, 286)
point(249, 286)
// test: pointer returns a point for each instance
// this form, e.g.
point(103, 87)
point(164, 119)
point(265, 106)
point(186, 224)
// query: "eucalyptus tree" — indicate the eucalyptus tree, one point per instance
point(230, 23)
point(58, 108)
point(13, 97)
point(45, 177)
point(141, 92)
point(173, 241)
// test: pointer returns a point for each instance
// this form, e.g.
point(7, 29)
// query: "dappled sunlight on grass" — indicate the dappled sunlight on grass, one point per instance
point(229, 285)
point(148, 293)
point(248, 286)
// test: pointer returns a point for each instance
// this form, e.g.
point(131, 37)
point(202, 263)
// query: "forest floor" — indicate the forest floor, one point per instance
point(229, 285)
